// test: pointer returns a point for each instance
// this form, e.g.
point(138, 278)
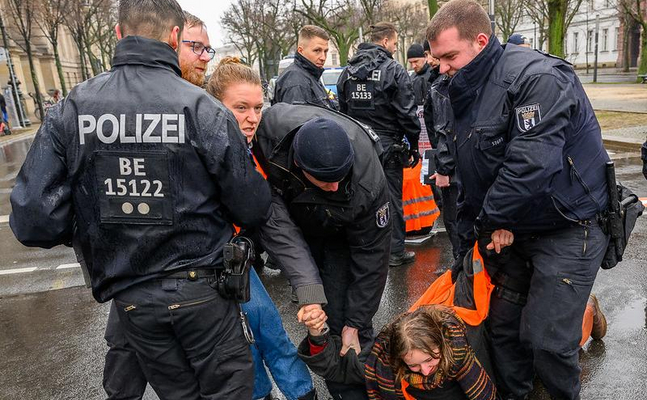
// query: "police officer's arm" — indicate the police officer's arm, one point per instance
point(41, 201)
point(533, 156)
point(297, 94)
point(341, 95)
point(404, 103)
point(369, 252)
point(244, 193)
point(283, 241)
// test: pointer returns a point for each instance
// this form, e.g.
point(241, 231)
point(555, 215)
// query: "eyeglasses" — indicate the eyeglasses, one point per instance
point(199, 48)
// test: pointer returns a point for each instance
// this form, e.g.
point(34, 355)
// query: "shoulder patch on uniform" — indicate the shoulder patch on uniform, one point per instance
point(382, 216)
point(528, 116)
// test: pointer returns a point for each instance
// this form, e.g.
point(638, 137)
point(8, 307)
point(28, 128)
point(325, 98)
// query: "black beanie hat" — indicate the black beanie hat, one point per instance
point(322, 149)
point(415, 51)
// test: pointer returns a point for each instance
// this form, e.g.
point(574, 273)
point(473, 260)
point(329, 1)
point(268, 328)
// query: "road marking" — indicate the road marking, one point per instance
point(66, 266)
point(17, 270)
point(4, 219)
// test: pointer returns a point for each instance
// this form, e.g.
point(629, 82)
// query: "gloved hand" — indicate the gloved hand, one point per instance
point(414, 158)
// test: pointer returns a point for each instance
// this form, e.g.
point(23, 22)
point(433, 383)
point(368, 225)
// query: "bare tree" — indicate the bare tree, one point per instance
point(50, 21)
point(553, 17)
point(341, 19)
point(239, 21)
point(637, 11)
point(100, 32)
point(410, 20)
point(23, 14)
point(508, 14)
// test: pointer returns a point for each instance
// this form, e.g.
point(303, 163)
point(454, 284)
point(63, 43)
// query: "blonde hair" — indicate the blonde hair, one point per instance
point(229, 71)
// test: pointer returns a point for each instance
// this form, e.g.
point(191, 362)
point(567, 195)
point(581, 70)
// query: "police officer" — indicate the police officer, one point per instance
point(377, 91)
point(330, 223)
point(422, 72)
point(123, 377)
point(532, 168)
point(148, 172)
point(301, 82)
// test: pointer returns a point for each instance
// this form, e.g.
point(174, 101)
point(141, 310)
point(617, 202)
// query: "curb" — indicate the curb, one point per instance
point(621, 143)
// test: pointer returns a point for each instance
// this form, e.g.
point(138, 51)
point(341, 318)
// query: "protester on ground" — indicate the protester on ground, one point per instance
point(377, 91)
point(330, 227)
point(531, 164)
point(301, 82)
point(239, 88)
point(150, 197)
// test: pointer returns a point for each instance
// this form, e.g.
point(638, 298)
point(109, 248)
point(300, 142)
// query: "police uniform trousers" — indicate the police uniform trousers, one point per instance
point(449, 210)
point(392, 162)
point(123, 378)
point(332, 256)
point(189, 340)
point(535, 322)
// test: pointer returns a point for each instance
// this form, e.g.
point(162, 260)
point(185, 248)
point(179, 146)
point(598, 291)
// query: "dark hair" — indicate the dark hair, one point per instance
point(231, 71)
point(191, 20)
point(308, 32)
point(382, 30)
point(153, 19)
point(421, 330)
point(467, 16)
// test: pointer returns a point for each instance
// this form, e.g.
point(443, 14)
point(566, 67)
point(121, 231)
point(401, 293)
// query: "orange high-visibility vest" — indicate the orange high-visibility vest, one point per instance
point(420, 210)
point(442, 291)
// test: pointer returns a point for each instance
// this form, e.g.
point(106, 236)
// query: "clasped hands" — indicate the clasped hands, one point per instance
point(314, 318)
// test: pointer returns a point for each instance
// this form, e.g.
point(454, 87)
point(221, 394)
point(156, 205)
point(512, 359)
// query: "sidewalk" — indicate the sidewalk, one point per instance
point(19, 134)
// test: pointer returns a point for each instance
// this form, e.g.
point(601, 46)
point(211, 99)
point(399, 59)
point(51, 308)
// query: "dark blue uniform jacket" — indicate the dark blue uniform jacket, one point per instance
point(528, 145)
point(151, 169)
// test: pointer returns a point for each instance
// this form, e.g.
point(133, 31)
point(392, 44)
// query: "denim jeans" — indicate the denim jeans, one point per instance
point(273, 348)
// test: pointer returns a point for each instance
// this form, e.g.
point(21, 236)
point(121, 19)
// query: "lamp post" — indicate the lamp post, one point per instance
point(597, 35)
point(491, 9)
point(15, 89)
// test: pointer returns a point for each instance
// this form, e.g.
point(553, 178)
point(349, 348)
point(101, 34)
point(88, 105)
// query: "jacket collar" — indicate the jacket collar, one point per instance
point(467, 82)
point(368, 58)
point(308, 66)
point(424, 69)
point(138, 50)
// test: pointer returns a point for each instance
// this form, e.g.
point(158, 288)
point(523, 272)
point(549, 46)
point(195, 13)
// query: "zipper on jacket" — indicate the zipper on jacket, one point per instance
point(579, 178)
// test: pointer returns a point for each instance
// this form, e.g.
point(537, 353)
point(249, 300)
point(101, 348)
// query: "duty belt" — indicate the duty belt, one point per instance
point(194, 274)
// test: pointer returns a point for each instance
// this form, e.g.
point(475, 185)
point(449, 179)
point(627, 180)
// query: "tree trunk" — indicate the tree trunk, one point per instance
point(79, 47)
point(59, 68)
point(32, 69)
point(344, 49)
point(556, 23)
point(91, 57)
point(625, 46)
point(642, 67)
point(433, 7)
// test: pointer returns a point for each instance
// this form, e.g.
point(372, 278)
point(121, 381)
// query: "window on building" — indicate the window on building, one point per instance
point(591, 5)
point(589, 41)
point(607, 4)
point(334, 59)
point(616, 37)
point(532, 43)
point(576, 44)
point(605, 40)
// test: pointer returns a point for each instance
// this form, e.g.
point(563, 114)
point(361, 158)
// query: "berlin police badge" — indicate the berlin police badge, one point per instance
point(382, 216)
point(528, 117)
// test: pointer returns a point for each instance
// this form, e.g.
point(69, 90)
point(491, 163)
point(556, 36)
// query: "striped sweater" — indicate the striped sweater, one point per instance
point(467, 371)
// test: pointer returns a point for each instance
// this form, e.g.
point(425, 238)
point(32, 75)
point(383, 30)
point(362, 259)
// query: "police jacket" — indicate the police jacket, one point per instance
point(376, 90)
point(439, 119)
point(421, 81)
point(149, 169)
point(357, 214)
point(300, 84)
point(529, 148)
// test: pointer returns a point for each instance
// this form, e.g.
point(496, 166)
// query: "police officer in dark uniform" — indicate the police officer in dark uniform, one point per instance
point(301, 82)
point(532, 168)
point(330, 222)
point(422, 72)
point(377, 91)
point(148, 173)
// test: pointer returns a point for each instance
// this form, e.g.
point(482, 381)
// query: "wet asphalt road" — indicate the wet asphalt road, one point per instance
point(51, 329)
